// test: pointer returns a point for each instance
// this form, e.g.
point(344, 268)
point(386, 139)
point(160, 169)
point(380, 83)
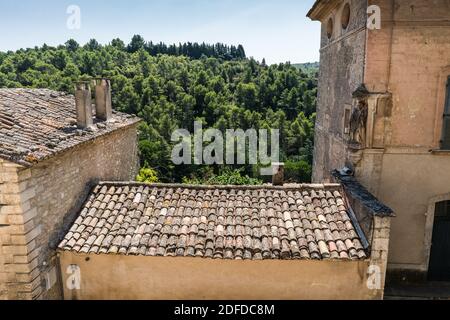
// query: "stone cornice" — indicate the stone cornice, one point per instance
point(321, 8)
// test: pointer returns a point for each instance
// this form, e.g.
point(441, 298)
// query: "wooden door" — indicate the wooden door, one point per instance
point(439, 266)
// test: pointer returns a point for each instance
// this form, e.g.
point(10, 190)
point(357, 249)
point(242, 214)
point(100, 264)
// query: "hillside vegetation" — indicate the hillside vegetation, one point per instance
point(172, 86)
point(310, 68)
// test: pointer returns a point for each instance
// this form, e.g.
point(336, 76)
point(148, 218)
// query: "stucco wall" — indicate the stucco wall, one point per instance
point(140, 277)
point(414, 57)
point(341, 72)
point(411, 60)
point(46, 199)
point(409, 183)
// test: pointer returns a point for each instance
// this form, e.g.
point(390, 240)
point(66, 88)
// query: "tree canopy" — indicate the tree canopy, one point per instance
point(172, 86)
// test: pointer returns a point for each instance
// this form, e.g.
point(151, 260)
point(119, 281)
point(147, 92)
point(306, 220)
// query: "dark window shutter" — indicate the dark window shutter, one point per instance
point(446, 133)
point(446, 127)
point(447, 100)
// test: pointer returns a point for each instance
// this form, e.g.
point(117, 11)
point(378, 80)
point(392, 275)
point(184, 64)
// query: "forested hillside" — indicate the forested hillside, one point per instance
point(171, 86)
point(311, 68)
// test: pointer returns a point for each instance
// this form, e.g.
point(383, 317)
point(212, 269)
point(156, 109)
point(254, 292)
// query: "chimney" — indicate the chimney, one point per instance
point(103, 105)
point(83, 104)
point(278, 173)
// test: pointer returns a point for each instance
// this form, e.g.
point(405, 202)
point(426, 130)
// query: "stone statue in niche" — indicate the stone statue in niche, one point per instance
point(358, 118)
point(358, 121)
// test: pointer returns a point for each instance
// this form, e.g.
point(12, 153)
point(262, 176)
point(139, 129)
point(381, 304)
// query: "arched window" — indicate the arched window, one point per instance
point(330, 27)
point(345, 17)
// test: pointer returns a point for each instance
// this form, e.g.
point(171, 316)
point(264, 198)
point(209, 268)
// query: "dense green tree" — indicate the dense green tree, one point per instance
point(71, 45)
point(118, 44)
point(170, 87)
point(137, 42)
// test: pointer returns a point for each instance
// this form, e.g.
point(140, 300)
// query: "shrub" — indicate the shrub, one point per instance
point(298, 171)
point(226, 177)
point(147, 175)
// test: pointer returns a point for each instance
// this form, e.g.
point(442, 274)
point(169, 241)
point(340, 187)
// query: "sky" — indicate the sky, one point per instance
point(277, 30)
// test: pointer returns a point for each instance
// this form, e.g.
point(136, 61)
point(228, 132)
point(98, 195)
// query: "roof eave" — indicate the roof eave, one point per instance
point(25, 164)
point(357, 191)
point(320, 9)
point(328, 186)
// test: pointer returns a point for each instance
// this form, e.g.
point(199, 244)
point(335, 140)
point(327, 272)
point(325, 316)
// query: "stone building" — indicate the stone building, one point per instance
point(162, 241)
point(52, 151)
point(384, 112)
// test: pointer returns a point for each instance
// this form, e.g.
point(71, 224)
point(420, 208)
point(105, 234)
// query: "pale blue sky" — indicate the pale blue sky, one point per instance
point(277, 30)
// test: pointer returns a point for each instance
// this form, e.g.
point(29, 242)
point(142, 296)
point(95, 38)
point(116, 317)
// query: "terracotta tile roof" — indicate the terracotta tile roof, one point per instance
point(230, 222)
point(38, 123)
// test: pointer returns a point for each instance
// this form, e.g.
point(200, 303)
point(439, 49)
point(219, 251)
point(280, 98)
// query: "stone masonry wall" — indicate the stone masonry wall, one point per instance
point(15, 213)
point(379, 253)
point(341, 72)
point(42, 203)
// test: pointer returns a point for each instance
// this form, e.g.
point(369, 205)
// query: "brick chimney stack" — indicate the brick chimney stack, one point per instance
point(278, 174)
point(103, 105)
point(83, 104)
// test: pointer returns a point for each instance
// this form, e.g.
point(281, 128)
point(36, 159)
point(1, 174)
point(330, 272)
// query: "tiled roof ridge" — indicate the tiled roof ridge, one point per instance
point(318, 186)
point(34, 90)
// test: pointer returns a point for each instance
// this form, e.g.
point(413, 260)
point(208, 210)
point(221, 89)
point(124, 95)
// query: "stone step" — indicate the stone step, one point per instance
point(418, 291)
